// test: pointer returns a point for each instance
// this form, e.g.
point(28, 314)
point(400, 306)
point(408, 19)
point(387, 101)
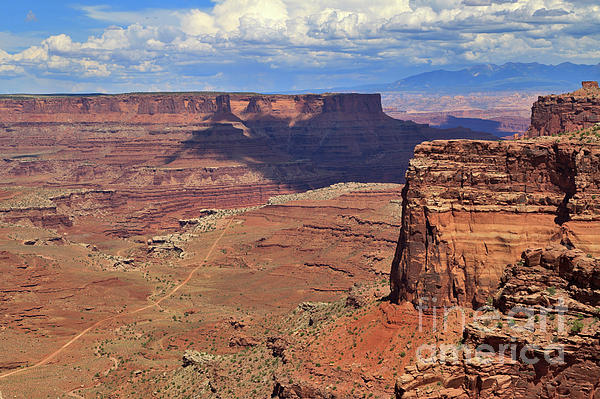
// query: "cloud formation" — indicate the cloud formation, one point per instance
point(182, 48)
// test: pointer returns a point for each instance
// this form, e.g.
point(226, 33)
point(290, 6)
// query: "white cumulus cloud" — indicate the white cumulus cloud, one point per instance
point(348, 37)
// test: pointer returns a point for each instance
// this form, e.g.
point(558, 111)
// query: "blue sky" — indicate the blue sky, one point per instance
point(35, 20)
point(277, 45)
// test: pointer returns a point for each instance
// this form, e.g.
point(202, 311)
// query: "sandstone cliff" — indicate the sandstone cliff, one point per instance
point(165, 157)
point(553, 352)
point(469, 207)
point(180, 107)
point(555, 114)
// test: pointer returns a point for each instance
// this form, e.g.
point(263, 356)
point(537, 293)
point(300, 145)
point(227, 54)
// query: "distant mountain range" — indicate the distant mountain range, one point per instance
point(511, 76)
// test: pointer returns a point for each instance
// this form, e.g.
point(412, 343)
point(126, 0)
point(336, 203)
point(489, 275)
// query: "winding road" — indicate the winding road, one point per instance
point(51, 356)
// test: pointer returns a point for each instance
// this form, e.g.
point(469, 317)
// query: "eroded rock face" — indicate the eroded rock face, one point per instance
point(300, 391)
point(146, 161)
point(545, 275)
point(555, 114)
point(195, 358)
point(180, 107)
point(471, 206)
point(556, 348)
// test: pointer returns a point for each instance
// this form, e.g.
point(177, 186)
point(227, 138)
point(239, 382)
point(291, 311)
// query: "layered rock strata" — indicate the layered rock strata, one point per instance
point(165, 157)
point(552, 352)
point(555, 114)
point(471, 206)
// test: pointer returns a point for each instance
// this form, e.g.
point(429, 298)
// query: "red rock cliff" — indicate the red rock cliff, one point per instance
point(555, 114)
point(472, 206)
point(167, 156)
point(555, 354)
point(182, 107)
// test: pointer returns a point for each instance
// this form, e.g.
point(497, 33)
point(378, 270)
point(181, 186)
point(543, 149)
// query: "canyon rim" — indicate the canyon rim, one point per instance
point(254, 199)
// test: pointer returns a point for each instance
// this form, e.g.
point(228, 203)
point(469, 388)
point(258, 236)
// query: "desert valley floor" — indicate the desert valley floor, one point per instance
point(103, 318)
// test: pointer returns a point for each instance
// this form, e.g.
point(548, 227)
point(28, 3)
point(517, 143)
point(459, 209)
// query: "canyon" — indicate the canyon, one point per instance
point(261, 281)
point(175, 245)
point(501, 113)
point(136, 227)
point(134, 163)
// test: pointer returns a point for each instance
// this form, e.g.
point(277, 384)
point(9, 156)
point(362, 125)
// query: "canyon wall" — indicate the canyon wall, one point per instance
point(554, 354)
point(165, 157)
point(180, 107)
point(555, 114)
point(470, 207)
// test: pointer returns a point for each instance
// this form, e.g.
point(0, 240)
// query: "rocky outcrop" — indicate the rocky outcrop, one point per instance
point(259, 104)
point(555, 114)
point(469, 206)
point(155, 159)
point(42, 217)
point(544, 276)
point(544, 342)
point(169, 245)
point(198, 359)
point(301, 391)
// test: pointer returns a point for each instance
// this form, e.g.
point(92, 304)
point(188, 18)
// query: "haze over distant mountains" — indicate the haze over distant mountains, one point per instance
point(491, 77)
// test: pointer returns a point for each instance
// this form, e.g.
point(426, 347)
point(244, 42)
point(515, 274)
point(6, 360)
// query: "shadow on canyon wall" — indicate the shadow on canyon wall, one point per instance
point(326, 148)
point(164, 157)
point(304, 139)
point(476, 124)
